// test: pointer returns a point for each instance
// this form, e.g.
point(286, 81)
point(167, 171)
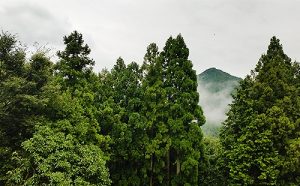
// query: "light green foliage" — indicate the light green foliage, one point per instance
point(263, 124)
point(66, 148)
point(60, 152)
point(211, 169)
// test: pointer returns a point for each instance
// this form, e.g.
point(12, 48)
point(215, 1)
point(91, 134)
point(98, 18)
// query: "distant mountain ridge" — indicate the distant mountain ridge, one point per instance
point(215, 88)
point(217, 76)
point(217, 80)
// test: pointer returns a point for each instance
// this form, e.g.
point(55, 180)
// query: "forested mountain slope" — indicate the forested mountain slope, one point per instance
point(215, 88)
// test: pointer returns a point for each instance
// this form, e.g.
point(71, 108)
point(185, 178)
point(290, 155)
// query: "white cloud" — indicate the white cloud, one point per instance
point(215, 104)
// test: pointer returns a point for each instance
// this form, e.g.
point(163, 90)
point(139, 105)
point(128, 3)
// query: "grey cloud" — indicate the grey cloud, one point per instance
point(230, 35)
point(33, 23)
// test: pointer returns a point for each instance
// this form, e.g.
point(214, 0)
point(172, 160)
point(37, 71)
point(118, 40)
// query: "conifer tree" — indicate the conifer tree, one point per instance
point(127, 132)
point(154, 110)
point(75, 65)
point(173, 115)
point(261, 134)
point(184, 116)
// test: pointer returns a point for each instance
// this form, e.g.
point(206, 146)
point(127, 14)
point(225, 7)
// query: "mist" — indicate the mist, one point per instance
point(215, 103)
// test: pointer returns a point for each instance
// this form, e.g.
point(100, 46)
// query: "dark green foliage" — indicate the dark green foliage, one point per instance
point(153, 141)
point(127, 130)
point(12, 56)
point(20, 100)
point(261, 134)
point(74, 65)
point(180, 83)
point(215, 81)
point(40, 70)
point(141, 125)
point(217, 76)
point(154, 110)
point(173, 115)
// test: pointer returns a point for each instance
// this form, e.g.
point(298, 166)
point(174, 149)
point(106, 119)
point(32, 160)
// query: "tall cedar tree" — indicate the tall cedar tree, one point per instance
point(185, 116)
point(74, 66)
point(178, 115)
point(154, 110)
point(261, 135)
point(128, 132)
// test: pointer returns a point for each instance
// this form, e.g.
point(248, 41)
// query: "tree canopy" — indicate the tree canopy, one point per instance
point(261, 134)
point(61, 123)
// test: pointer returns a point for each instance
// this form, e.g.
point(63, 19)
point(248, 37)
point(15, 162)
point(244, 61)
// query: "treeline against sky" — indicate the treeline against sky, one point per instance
point(63, 124)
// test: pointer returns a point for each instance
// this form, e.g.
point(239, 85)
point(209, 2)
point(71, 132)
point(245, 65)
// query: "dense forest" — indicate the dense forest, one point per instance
point(61, 123)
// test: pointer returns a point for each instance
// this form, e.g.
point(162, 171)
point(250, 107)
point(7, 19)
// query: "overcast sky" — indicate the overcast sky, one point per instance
point(227, 34)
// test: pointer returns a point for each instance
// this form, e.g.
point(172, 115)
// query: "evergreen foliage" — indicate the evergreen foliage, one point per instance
point(74, 66)
point(261, 134)
point(173, 114)
point(184, 116)
point(63, 124)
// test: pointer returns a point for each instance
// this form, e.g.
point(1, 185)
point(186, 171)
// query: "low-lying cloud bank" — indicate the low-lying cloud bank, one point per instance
point(215, 104)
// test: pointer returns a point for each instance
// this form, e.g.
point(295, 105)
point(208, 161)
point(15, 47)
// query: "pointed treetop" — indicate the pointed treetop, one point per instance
point(274, 56)
point(151, 54)
point(74, 46)
point(176, 48)
point(74, 64)
point(275, 48)
point(120, 65)
point(150, 57)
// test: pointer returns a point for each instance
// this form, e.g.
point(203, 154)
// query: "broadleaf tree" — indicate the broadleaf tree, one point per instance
point(67, 147)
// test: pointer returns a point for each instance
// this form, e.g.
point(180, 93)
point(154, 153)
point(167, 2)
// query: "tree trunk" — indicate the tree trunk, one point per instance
point(177, 166)
point(168, 167)
point(151, 173)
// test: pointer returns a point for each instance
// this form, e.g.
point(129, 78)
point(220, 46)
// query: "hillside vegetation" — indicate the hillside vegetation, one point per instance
point(63, 124)
point(215, 88)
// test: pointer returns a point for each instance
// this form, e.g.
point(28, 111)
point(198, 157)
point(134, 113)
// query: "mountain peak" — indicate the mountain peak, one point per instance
point(215, 88)
point(216, 75)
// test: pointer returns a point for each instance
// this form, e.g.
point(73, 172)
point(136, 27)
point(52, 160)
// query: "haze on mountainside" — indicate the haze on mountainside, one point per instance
point(215, 88)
